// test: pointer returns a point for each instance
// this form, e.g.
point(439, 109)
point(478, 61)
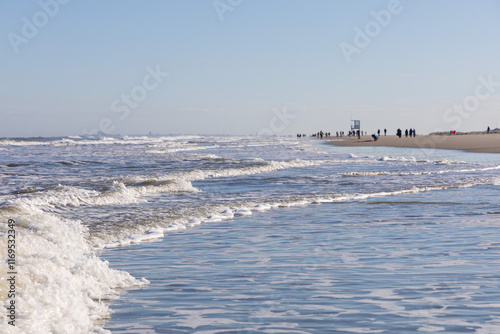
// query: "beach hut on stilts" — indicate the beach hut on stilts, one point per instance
point(356, 127)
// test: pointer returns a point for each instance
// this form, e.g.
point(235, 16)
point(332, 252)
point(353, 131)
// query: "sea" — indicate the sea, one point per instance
point(234, 234)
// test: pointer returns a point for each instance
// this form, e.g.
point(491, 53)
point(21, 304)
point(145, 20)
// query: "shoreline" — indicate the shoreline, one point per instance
point(478, 143)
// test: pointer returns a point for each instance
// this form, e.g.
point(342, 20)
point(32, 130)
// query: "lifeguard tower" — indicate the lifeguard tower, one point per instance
point(356, 127)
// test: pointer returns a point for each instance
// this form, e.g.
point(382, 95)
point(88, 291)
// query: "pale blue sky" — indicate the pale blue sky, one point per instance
point(261, 66)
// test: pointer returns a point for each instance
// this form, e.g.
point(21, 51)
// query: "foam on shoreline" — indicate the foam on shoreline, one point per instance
point(61, 285)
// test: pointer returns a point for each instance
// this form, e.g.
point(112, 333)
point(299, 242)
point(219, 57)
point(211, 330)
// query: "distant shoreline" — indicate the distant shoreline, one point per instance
point(472, 142)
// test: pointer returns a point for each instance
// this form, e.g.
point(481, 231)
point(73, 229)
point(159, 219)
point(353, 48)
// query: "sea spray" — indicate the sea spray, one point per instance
point(61, 284)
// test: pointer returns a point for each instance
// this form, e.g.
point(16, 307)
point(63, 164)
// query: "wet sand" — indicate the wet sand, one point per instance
point(484, 143)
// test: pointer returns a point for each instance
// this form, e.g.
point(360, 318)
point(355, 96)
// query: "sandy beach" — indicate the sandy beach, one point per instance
point(484, 143)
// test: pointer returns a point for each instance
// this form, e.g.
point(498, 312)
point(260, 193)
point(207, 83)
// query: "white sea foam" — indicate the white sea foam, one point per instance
point(398, 159)
point(262, 207)
point(362, 330)
point(431, 329)
point(139, 187)
point(443, 162)
point(220, 213)
point(60, 282)
point(148, 235)
point(10, 142)
point(418, 172)
point(198, 174)
point(95, 140)
point(116, 193)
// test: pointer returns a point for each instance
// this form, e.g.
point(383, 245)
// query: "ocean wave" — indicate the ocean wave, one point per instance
point(448, 162)
point(95, 140)
point(397, 159)
point(180, 148)
point(415, 160)
point(12, 142)
point(60, 282)
point(128, 234)
point(422, 172)
point(133, 189)
point(115, 194)
point(256, 167)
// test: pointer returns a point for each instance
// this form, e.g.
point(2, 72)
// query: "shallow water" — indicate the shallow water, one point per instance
point(418, 262)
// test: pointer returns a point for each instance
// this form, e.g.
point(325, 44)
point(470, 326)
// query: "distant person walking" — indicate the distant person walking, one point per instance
point(378, 132)
point(488, 130)
point(385, 132)
point(398, 133)
point(406, 133)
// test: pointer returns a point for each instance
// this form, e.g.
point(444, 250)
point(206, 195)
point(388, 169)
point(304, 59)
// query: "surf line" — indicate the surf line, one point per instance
point(11, 271)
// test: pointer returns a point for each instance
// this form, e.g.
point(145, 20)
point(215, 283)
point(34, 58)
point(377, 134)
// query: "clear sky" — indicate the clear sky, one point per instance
point(70, 67)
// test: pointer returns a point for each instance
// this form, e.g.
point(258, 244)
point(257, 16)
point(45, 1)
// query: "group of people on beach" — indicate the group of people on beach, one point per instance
point(358, 133)
point(410, 132)
point(319, 134)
